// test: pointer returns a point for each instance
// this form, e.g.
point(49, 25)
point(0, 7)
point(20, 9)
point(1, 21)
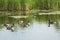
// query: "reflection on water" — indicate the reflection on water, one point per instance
point(36, 30)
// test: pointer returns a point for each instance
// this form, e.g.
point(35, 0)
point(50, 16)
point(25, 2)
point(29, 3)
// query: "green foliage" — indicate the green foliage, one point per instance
point(30, 4)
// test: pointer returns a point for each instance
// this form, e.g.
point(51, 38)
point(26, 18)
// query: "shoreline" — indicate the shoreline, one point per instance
point(36, 12)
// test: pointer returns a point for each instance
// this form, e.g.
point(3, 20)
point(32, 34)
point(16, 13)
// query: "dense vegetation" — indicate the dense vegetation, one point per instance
point(29, 4)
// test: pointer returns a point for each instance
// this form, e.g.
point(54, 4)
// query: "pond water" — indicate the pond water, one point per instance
point(38, 28)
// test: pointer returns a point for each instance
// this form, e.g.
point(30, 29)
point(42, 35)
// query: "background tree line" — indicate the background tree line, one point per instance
point(10, 5)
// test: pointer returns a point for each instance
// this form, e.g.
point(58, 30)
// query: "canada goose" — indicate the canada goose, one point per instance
point(12, 25)
point(51, 22)
point(12, 29)
point(21, 21)
point(28, 24)
point(9, 26)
